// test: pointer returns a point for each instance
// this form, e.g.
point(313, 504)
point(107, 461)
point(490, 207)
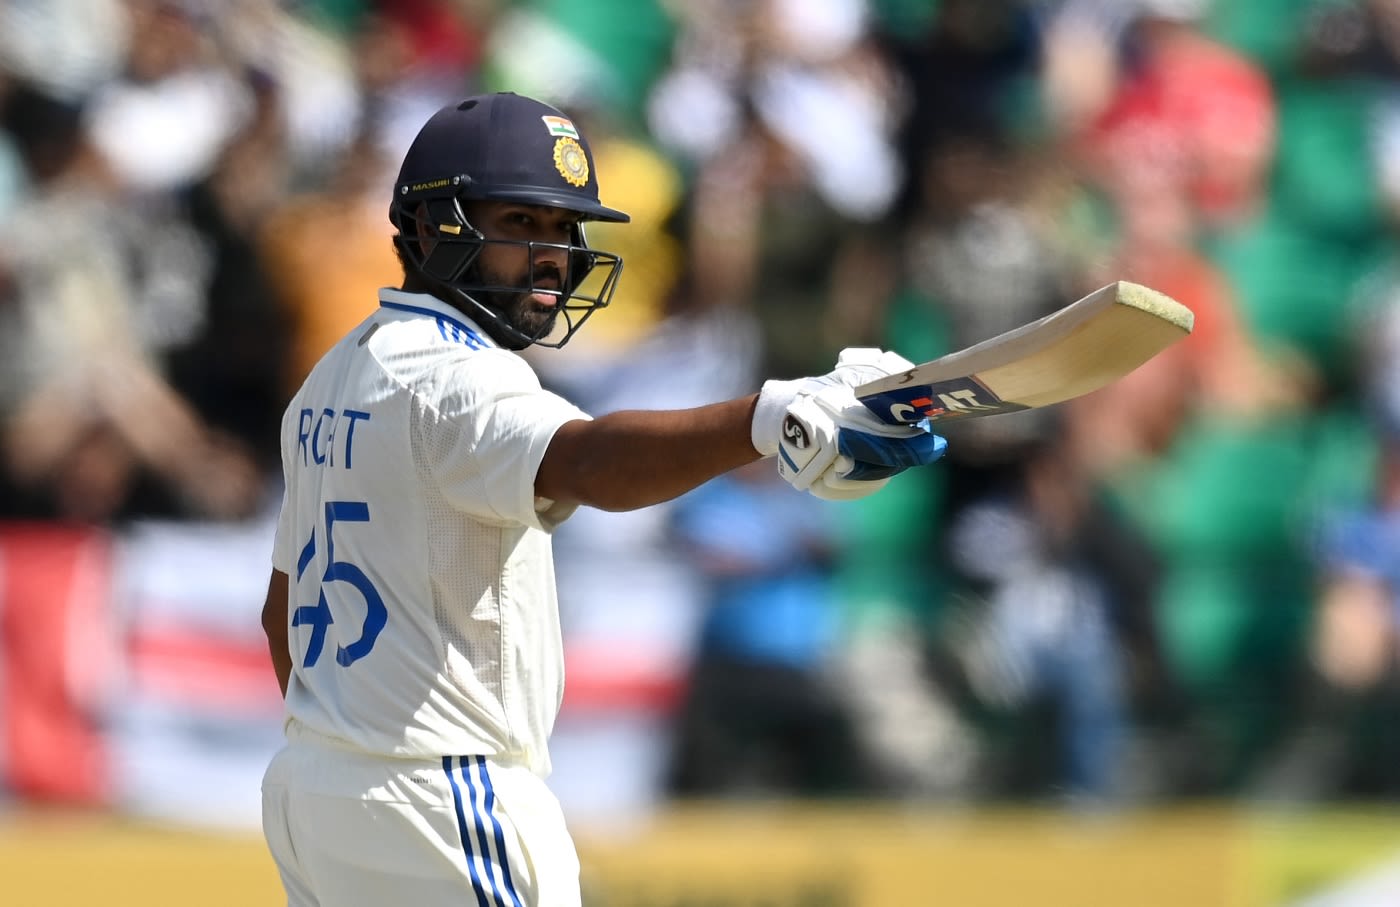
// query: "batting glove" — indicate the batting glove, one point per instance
point(834, 448)
point(855, 366)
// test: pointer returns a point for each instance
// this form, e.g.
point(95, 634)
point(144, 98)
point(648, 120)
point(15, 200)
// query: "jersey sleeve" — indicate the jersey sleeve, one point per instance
point(284, 554)
point(485, 442)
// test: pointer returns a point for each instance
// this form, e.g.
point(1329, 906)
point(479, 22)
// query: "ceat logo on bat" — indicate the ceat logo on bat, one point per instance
point(938, 402)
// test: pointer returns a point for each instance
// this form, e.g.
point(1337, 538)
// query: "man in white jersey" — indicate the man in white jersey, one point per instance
point(411, 612)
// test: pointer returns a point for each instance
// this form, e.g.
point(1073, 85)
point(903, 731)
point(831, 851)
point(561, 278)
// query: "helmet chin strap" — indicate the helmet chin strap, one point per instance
point(487, 317)
point(491, 307)
point(473, 299)
point(495, 321)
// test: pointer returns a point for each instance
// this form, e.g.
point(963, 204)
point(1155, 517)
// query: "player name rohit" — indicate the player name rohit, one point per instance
point(327, 438)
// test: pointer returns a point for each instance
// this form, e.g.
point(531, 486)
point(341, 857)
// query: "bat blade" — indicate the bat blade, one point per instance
point(1068, 353)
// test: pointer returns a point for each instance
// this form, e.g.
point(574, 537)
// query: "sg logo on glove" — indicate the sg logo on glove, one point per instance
point(795, 432)
point(833, 447)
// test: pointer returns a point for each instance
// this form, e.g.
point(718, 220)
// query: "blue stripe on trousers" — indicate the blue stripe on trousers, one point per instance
point(490, 800)
point(465, 835)
point(481, 840)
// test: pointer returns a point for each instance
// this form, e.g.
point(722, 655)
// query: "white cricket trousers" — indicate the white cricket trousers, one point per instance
point(350, 829)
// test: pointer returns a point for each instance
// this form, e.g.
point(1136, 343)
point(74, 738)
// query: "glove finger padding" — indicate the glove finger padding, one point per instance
point(833, 447)
point(857, 365)
point(831, 487)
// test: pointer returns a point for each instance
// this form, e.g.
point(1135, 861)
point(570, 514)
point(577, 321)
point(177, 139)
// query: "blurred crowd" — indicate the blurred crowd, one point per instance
point(1184, 585)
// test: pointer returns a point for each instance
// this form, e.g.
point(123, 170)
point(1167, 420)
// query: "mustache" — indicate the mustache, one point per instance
point(546, 273)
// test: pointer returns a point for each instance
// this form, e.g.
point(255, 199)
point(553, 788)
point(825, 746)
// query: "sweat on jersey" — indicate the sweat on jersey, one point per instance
point(423, 614)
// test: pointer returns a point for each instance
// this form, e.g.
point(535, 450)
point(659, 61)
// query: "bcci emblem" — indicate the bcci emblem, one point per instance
point(571, 162)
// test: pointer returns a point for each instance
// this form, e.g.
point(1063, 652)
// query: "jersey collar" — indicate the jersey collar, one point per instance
point(429, 306)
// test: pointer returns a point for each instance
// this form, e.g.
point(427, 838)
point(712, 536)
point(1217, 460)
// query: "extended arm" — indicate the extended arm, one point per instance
point(274, 621)
point(635, 458)
point(825, 441)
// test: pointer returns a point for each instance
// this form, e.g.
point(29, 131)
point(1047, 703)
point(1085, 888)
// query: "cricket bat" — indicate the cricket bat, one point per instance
point(1068, 353)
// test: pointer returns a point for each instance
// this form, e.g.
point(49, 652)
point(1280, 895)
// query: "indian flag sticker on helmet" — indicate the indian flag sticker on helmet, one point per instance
point(571, 162)
point(559, 127)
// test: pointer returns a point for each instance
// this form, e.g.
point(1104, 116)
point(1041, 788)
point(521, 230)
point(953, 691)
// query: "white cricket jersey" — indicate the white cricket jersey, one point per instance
point(422, 606)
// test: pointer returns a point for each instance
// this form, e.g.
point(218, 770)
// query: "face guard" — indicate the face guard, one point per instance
point(446, 252)
point(506, 148)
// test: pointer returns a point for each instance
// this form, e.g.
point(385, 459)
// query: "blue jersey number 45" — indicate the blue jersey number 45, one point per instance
point(318, 616)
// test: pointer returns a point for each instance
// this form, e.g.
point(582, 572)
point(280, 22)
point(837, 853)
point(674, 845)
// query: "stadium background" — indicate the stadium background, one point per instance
point(1140, 649)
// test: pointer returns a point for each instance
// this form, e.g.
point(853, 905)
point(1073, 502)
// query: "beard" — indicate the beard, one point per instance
point(514, 308)
point(520, 312)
